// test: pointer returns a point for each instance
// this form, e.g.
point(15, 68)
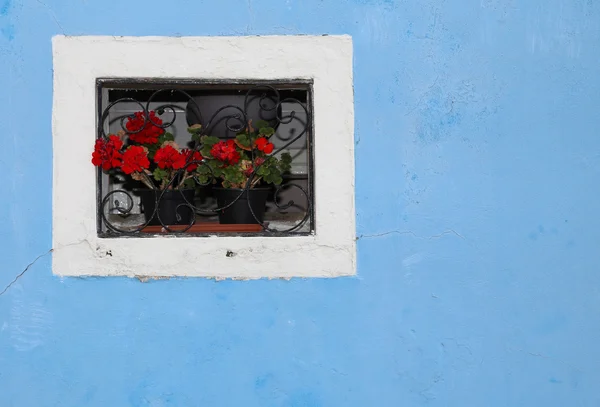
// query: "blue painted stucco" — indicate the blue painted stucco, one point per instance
point(478, 223)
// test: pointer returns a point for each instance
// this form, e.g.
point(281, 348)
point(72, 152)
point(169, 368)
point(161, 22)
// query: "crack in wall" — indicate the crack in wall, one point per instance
point(542, 356)
point(409, 232)
point(39, 257)
point(51, 12)
point(24, 271)
point(250, 25)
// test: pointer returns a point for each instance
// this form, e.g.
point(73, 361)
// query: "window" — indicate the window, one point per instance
point(315, 72)
point(223, 111)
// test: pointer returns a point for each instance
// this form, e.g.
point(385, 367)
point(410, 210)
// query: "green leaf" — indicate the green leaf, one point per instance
point(233, 175)
point(195, 129)
point(263, 170)
point(243, 139)
point(189, 183)
point(161, 139)
point(209, 140)
point(286, 158)
point(204, 178)
point(285, 167)
point(152, 149)
point(217, 171)
point(266, 131)
point(203, 169)
point(205, 151)
point(260, 124)
point(160, 174)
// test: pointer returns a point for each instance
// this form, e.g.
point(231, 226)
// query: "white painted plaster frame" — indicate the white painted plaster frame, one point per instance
point(78, 61)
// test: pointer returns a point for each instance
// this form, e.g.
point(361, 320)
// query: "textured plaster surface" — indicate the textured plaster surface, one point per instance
point(477, 167)
point(327, 60)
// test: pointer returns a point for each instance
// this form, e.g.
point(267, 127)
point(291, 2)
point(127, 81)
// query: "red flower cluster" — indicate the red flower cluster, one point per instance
point(225, 151)
point(106, 153)
point(146, 133)
point(168, 157)
point(262, 144)
point(196, 156)
point(135, 159)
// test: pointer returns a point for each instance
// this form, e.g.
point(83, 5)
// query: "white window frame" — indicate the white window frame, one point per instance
point(80, 60)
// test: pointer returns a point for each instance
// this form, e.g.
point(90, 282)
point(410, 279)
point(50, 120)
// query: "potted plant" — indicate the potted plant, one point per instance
point(243, 167)
point(148, 154)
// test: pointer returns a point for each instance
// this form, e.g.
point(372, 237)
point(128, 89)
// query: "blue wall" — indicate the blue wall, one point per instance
point(478, 212)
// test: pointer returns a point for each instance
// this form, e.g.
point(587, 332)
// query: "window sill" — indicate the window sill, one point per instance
point(214, 257)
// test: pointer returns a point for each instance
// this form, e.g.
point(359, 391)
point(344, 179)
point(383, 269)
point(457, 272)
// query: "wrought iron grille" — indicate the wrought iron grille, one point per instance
point(275, 103)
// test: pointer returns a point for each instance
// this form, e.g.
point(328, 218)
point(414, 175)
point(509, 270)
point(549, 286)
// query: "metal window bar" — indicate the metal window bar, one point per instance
point(115, 206)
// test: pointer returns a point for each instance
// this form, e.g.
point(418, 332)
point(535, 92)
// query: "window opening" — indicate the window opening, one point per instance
point(204, 158)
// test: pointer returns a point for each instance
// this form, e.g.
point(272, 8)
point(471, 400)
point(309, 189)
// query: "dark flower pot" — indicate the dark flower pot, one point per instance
point(169, 209)
point(239, 212)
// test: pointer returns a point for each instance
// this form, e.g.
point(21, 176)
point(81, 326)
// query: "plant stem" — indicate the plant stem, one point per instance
point(256, 181)
point(183, 179)
point(146, 181)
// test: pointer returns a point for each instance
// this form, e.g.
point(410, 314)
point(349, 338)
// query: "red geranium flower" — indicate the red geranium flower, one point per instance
point(225, 151)
point(106, 153)
point(268, 148)
point(196, 156)
point(262, 144)
point(168, 157)
point(146, 133)
point(135, 159)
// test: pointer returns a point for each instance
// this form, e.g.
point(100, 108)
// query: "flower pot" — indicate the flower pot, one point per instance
point(239, 212)
point(172, 207)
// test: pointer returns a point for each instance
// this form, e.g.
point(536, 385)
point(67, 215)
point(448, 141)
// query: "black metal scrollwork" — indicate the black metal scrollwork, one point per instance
point(235, 119)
